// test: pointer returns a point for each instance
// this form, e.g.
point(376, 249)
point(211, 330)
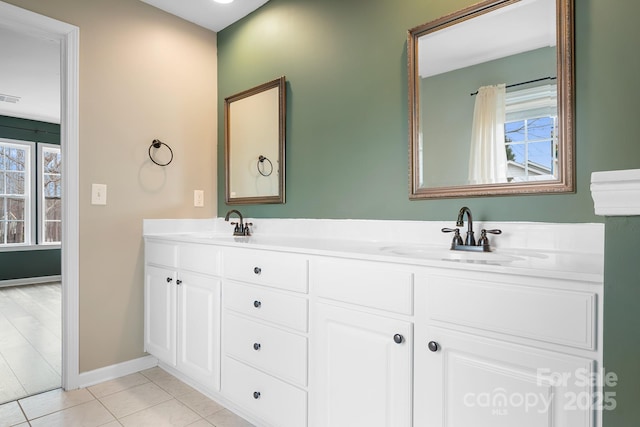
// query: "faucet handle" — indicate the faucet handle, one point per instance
point(247, 230)
point(457, 240)
point(492, 231)
point(484, 240)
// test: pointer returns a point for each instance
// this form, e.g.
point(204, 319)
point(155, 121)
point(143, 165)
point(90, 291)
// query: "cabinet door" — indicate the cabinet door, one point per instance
point(360, 375)
point(199, 328)
point(160, 313)
point(474, 381)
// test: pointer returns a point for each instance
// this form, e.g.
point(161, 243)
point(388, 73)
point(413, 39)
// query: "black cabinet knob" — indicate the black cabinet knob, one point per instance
point(178, 282)
point(256, 346)
point(257, 270)
point(433, 346)
point(169, 279)
point(397, 338)
point(256, 395)
point(257, 304)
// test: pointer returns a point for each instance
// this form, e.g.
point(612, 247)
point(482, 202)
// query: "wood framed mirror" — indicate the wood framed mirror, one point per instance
point(254, 141)
point(491, 101)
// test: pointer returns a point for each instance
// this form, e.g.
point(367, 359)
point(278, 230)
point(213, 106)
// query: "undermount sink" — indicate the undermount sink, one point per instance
point(437, 253)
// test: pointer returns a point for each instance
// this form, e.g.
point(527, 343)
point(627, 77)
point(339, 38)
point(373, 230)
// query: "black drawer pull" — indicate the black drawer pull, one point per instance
point(169, 279)
point(256, 346)
point(433, 346)
point(256, 395)
point(257, 270)
point(397, 338)
point(257, 304)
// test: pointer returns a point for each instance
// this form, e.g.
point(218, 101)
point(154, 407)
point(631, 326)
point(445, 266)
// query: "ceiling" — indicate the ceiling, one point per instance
point(30, 71)
point(207, 13)
point(519, 27)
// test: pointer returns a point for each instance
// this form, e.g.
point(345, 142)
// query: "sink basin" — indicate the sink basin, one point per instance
point(437, 253)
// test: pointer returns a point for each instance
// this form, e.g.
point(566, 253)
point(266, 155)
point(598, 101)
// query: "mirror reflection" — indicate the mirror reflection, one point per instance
point(254, 144)
point(490, 97)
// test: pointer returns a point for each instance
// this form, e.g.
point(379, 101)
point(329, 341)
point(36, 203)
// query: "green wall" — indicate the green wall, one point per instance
point(347, 154)
point(21, 264)
point(621, 319)
point(345, 63)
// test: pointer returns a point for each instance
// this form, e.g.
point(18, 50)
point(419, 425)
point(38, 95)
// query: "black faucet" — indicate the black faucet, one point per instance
point(240, 229)
point(469, 243)
point(470, 240)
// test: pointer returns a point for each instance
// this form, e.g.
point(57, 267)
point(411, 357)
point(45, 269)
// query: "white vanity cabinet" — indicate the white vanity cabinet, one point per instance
point(182, 308)
point(264, 335)
point(504, 351)
point(338, 334)
point(362, 339)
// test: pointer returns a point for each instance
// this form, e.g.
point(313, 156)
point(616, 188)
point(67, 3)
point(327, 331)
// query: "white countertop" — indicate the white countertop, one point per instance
point(531, 260)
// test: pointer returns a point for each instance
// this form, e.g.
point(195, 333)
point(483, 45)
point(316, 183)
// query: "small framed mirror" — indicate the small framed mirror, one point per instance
point(254, 141)
point(491, 102)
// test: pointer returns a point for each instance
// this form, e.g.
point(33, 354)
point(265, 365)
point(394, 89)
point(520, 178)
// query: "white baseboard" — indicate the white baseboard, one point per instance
point(29, 281)
point(118, 370)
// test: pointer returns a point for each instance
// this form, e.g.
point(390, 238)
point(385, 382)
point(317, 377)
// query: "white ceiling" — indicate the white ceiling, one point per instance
point(30, 68)
point(207, 13)
point(30, 71)
point(519, 27)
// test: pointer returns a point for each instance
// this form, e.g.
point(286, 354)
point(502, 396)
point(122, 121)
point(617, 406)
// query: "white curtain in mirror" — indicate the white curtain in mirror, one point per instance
point(487, 157)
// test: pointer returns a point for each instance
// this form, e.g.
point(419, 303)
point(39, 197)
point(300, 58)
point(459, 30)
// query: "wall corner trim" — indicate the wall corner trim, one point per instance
point(616, 193)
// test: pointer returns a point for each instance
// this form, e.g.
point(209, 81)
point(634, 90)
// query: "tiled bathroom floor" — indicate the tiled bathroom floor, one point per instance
point(151, 398)
point(30, 344)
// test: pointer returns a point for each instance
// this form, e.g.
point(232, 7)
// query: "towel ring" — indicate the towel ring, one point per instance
point(156, 143)
point(261, 160)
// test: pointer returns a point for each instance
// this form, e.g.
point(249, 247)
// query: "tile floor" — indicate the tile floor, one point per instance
point(30, 343)
point(151, 398)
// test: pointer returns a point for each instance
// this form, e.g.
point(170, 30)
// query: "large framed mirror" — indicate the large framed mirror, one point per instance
point(491, 101)
point(254, 141)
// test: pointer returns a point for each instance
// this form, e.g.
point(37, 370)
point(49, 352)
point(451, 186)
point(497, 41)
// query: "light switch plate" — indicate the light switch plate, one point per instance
point(198, 198)
point(98, 194)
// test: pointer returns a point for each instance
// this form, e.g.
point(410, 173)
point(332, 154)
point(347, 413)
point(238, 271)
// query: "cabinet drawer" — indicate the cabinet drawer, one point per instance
point(160, 253)
point(552, 315)
point(277, 403)
point(275, 269)
point(286, 310)
point(199, 258)
point(271, 349)
point(369, 284)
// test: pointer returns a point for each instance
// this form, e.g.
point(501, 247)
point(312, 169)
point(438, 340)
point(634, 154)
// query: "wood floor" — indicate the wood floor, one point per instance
point(30, 340)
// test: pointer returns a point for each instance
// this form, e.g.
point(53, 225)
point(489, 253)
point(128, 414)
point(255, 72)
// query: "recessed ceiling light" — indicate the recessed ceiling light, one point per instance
point(223, 1)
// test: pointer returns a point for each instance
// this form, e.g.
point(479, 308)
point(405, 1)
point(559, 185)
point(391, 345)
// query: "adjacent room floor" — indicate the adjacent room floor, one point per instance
point(149, 398)
point(30, 340)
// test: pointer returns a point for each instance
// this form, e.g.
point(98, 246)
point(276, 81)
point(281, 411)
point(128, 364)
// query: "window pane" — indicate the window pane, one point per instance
point(2, 156)
point(15, 209)
point(2, 179)
point(3, 225)
point(51, 160)
point(14, 182)
point(52, 187)
point(15, 232)
point(16, 159)
point(2, 208)
point(53, 209)
point(514, 131)
point(53, 231)
point(541, 128)
point(541, 157)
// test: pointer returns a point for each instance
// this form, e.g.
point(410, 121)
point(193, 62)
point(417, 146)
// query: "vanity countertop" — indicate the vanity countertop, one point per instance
point(544, 263)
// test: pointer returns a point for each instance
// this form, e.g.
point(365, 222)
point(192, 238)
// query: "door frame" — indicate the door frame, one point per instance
point(69, 37)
